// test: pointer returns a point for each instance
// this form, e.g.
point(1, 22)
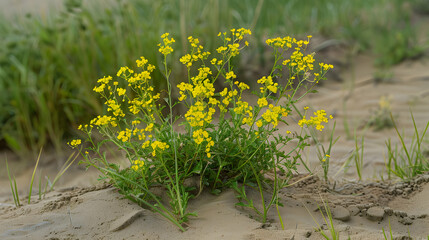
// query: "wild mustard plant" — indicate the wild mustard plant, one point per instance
point(238, 150)
point(315, 125)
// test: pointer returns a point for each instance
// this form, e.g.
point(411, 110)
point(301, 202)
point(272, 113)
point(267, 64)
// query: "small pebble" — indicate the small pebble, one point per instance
point(341, 213)
point(375, 213)
point(354, 210)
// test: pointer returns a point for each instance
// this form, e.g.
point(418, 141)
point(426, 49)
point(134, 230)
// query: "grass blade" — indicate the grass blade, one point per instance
point(64, 168)
point(32, 177)
point(400, 138)
point(16, 192)
point(15, 200)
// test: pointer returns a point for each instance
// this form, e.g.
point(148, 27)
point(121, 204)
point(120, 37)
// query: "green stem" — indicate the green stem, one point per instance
point(260, 192)
point(172, 135)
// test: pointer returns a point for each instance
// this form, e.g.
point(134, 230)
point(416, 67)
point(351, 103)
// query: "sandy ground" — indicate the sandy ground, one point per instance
point(82, 208)
point(101, 213)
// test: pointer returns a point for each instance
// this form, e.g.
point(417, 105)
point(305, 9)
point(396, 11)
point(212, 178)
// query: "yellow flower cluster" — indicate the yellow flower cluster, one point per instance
point(240, 107)
point(115, 108)
point(137, 164)
point(84, 127)
point(317, 121)
point(198, 116)
point(230, 75)
point(139, 133)
point(239, 33)
point(200, 88)
point(279, 42)
point(144, 100)
point(74, 143)
point(124, 135)
point(103, 82)
point(298, 62)
point(104, 121)
point(287, 42)
point(232, 42)
point(196, 53)
point(124, 72)
point(243, 108)
point(135, 122)
point(160, 146)
point(139, 82)
point(227, 96)
point(262, 102)
point(140, 78)
point(242, 86)
point(166, 48)
point(268, 84)
point(272, 115)
point(200, 136)
point(141, 62)
point(121, 91)
point(325, 66)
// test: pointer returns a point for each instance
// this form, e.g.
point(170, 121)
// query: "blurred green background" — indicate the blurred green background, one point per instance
point(50, 63)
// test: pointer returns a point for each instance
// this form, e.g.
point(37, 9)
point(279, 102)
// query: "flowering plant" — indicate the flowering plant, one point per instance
point(237, 148)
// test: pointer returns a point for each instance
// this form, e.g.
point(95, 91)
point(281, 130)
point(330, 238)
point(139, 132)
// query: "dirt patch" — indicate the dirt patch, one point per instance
point(102, 213)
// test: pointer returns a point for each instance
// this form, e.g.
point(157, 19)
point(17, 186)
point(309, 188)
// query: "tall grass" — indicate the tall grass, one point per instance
point(48, 65)
point(408, 161)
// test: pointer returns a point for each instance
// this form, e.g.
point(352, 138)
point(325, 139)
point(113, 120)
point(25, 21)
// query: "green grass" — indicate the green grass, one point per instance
point(390, 231)
point(328, 221)
point(13, 187)
point(49, 65)
point(358, 157)
point(42, 191)
point(407, 161)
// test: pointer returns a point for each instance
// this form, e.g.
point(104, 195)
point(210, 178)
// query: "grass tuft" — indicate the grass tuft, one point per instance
point(407, 162)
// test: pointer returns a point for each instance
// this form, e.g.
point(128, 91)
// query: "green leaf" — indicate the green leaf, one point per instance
point(198, 168)
point(240, 204)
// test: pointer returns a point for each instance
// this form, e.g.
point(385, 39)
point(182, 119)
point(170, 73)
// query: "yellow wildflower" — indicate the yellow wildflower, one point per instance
point(166, 48)
point(137, 164)
point(121, 91)
point(123, 72)
point(141, 62)
point(317, 121)
point(158, 145)
point(76, 142)
point(262, 102)
point(230, 75)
